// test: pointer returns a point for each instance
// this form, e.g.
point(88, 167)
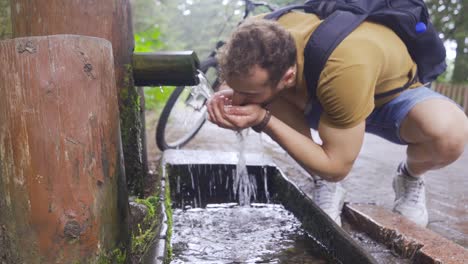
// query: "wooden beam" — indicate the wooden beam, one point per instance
point(111, 20)
point(165, 68)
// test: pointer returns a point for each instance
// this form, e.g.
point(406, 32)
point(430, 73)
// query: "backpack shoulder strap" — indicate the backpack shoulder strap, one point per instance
point(323, 41)
point(275, 15)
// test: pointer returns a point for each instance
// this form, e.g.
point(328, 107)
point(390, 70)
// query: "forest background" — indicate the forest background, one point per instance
point(161, 25)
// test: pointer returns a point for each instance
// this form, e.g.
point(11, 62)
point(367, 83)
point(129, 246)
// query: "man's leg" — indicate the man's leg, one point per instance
point(436, 132)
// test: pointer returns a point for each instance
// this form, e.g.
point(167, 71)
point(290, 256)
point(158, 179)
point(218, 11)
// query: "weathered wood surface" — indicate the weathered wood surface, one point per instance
point(404, 237)
point(165, 68)
point(60, 151)
point(108, 19)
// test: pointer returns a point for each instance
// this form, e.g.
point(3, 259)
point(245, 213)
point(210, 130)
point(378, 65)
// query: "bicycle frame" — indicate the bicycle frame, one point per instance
point(250, 7)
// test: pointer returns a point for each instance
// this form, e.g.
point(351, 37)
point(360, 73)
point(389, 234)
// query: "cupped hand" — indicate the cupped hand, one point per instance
point(222, 113)
point(216, 108)
point(245, 116)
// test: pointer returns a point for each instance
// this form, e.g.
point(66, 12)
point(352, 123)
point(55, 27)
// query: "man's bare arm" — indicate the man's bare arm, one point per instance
point(332, 160)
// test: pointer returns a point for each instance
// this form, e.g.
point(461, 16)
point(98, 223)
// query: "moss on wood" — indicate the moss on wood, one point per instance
point(168, 205)
point(132, 131)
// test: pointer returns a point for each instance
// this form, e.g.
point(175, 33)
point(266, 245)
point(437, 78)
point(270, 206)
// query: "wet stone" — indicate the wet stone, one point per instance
point(380, 252)
point(138, 213)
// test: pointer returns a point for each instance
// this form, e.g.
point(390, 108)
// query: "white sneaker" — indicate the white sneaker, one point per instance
point(410, 198)
point(329, 196)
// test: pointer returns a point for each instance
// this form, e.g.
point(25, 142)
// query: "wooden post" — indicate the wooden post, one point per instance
point(450, 91)
point(442, 89)
point(108, 19)
point(60, 151)
point(465, 101)
point(461, 95)
point(437, 87)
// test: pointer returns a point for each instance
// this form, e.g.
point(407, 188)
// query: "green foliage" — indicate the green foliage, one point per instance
point(142, 240)
point(192, 24)
point(156, 97)
point(117, 256)
point(198, 24)
point(184, 25)
point(148, 40)
point(446, 77)
point(146, 232)
point(5, 21)
point(151, 203)
point(168, 205)
point(449, 18)
point(446, 16)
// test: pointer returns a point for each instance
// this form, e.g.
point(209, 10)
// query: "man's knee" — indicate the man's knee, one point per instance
point(466, 131)
point(450, 149)
point(449, 142)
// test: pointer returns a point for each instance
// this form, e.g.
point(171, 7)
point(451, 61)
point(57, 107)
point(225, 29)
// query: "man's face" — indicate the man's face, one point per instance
point(255, 88)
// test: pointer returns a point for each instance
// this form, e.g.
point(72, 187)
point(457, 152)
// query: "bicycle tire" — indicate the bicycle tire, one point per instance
point(161, 136)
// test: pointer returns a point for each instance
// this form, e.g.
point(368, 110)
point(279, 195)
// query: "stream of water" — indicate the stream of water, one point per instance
point(245, 185)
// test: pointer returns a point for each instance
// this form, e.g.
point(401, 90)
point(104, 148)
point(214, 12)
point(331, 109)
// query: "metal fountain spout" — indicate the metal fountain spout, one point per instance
point(174, 68)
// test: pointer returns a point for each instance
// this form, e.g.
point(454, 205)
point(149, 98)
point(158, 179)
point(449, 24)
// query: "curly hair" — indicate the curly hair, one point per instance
point(257, 42)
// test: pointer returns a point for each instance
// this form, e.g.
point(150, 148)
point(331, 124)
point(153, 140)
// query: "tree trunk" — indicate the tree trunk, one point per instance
point(108, 19)
point(60, 151)
point(460, 70)
point(5, 20)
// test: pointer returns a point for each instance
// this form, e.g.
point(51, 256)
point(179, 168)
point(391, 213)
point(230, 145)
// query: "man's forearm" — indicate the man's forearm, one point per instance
point(311, 156)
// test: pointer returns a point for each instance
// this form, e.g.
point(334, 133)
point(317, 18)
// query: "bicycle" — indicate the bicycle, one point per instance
point(187, 104)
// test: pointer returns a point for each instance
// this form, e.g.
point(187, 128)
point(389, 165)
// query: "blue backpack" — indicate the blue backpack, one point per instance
point(409, 19)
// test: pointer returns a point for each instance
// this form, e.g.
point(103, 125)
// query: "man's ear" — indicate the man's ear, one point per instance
point(289, 78)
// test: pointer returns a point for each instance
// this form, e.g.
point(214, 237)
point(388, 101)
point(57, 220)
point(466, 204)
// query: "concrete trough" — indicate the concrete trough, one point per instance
point(373, 234)
point(192, 166)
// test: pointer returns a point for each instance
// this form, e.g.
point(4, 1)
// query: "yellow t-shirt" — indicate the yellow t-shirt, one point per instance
point(370, 60)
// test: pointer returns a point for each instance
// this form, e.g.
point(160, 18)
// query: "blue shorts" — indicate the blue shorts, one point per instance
point(385, 121)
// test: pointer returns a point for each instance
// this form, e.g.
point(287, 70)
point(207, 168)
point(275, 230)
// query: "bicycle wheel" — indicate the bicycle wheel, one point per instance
point(185, 111)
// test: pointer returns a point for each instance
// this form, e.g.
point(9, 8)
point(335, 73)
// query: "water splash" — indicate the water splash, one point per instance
point(178, 184)
point(226, 233)
point(245, 185)
point(265, 184)
point(195, 203)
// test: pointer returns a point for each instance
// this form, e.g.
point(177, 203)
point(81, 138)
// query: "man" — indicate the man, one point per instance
point(262, 64)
